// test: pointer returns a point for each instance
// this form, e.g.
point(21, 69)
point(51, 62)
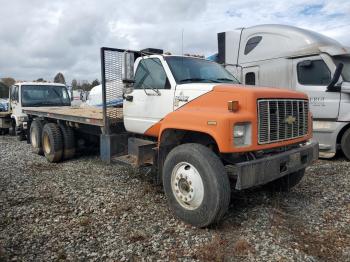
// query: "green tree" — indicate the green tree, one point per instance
point(95, 83)
point(74, 84)
point(59, 78)
point(86, 86)
point(4, 90)
point(9, 81)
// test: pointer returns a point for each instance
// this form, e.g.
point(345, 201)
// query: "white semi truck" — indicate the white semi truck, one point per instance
point(30, 94)
point(301, 60)
point(186, 119)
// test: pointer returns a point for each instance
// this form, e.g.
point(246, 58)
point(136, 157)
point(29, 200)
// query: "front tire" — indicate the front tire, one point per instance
point(345, 143)
point(52, 142)
point(196, 184)
point(287, 182)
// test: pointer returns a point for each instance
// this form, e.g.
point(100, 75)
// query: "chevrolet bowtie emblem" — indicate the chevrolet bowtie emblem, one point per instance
point(290, 120)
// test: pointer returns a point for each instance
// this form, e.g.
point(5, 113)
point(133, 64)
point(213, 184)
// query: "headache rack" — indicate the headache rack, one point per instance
point(282, 119)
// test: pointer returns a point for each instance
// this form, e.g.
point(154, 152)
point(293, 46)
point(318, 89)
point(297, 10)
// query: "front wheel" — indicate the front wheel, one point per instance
point(196, 184)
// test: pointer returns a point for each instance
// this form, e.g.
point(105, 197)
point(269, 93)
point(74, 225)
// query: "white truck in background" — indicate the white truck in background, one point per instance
point(298, 59)
point(30, 94)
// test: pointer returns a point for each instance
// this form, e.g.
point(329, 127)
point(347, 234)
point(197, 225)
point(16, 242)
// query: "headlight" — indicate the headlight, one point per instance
point(22, 118)
point(239, 131)
point(242, 134)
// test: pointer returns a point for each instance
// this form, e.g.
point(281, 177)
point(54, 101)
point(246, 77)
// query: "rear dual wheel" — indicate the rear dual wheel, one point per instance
point(35, 134)
point(68, 142)
point(52, 142)
point(56, 142)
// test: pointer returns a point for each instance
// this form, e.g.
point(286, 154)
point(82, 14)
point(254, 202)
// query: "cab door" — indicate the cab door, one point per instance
point(312, 75)
point(152, 97)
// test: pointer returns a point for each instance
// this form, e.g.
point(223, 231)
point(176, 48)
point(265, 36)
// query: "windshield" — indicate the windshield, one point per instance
point(346, 69)
point(42, 95)
point(194, 70)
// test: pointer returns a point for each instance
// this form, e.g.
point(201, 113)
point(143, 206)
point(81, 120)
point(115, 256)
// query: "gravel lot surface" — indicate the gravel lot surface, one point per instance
point(83, 210)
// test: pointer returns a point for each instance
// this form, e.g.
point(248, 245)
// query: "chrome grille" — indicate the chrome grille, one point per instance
point(282, 119)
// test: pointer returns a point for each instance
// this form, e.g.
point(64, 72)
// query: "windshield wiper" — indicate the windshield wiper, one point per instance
point(198, 80)
point(225, 79)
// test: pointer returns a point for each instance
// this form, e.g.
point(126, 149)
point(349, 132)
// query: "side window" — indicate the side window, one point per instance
point(150, 74)
point(14, 93)
point(251, 44)
point(314, 73)
point(250, 78)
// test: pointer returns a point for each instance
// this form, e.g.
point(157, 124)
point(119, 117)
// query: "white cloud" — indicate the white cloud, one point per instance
point(39, 38)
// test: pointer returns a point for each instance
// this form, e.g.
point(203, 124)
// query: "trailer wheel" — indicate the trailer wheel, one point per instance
point(52, 142)
point(196, 184)
point(345, 143)
point(68, 141)
point(35, 133)
point(286, 182)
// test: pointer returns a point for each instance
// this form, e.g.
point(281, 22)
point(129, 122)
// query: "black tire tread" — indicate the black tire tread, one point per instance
point(55, 136)
point(345, 143)
point(38, 125)
point(68, 136)
point(213, 161)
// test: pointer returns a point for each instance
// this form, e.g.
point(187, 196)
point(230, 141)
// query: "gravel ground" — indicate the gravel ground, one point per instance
point(83, 210)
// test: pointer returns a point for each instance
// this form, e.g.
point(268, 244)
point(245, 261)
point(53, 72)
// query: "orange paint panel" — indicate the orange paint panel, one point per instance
point(194, 116)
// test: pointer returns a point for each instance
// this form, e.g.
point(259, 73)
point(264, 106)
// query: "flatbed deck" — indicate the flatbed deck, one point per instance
point(5, 114)
point(84, 115)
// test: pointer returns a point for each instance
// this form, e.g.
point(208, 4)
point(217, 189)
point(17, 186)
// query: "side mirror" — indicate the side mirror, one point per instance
point(332, 87)
point(128, 71)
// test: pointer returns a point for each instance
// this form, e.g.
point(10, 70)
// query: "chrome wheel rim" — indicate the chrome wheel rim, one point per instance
point(33, 139)
point(46, 144)
point(187, 186)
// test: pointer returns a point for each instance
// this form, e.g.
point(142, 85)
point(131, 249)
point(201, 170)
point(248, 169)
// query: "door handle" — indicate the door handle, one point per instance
point(129, 98)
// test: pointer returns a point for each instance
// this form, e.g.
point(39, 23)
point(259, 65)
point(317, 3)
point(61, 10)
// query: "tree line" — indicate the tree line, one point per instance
point(59, 78)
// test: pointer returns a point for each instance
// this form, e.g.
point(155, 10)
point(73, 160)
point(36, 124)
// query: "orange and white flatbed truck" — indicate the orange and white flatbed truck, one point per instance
point(188, 119)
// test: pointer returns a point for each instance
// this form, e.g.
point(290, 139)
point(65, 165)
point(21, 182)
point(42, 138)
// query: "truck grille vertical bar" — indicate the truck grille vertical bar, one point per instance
point(281, 119)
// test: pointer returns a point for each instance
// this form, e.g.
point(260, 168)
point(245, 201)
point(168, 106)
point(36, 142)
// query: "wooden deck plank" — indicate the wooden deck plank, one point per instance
point(88, 115)
point(5, 114)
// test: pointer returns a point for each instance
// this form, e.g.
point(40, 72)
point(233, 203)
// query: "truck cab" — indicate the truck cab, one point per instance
point(301, 60)
point(201, 119)
point(33, 94)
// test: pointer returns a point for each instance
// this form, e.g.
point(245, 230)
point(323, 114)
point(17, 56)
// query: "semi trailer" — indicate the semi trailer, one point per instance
point(298, 59)
point(192, 123)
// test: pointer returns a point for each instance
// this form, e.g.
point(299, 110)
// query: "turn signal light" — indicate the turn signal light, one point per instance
point(232, 106)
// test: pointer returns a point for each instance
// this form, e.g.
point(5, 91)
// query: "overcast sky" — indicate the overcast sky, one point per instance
point(39, 38)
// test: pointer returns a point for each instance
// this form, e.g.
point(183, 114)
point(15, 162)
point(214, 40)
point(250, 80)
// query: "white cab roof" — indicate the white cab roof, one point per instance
point(40, 84)
point(287, 41)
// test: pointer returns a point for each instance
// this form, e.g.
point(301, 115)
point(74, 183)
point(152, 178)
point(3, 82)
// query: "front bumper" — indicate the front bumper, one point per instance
point(266, 169)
